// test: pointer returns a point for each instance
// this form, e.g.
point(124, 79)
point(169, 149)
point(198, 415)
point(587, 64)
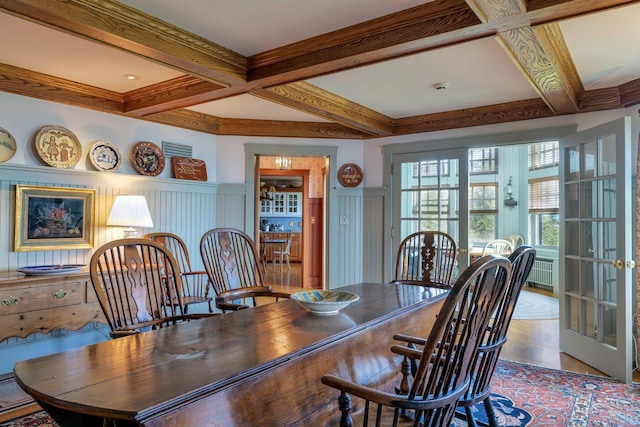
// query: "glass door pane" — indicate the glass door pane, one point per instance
point(431, 194)
point(595, 288)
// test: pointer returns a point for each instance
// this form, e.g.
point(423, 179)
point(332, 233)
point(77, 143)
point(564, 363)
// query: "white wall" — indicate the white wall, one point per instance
point(231, 152)
point(23, 117)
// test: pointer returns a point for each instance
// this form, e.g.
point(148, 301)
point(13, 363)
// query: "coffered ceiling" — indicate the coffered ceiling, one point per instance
point(354, 69)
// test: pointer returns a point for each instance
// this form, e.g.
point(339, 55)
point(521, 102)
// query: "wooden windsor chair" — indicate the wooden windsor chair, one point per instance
point(234, 269)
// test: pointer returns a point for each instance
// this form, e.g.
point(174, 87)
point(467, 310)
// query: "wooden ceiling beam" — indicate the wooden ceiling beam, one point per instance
point(430, 26)
point(187, 119)
point(319, 102)
point(117, 25)
point(42, 86)
point(210, 67)
point(541, 54)
point(630, 93)
point(480, 116)
point(170, 95)
point(248, 127)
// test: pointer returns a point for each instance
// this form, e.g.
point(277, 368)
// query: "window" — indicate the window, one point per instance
point(544, 202)
point(543, 155)
point(483, 161)
point(483, 212)
point(430, 168)
point(433, 201)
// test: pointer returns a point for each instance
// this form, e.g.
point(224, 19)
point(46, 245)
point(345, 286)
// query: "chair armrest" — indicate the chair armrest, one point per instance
point(410, 339)
point(118, 334)
point(363, 392)
point(193, 273)
point(250, 292)
point(199, 316)
point(411, 353)
point(229, 306)
point(393, 399)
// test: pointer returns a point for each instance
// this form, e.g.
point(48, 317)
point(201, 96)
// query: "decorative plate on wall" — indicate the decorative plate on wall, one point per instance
point(7, 145)
point(58, 147)
point(105, 156)
point(147, 158)
point(350, 175)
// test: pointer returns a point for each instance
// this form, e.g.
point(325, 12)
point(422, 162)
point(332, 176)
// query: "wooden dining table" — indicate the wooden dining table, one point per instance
point(254, 367)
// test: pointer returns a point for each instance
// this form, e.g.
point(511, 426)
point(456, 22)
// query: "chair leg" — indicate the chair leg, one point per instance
point(491, 413)
point(471, 421)
point(344, 404)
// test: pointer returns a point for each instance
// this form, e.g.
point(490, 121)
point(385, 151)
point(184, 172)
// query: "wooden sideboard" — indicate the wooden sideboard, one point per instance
point(31, 304)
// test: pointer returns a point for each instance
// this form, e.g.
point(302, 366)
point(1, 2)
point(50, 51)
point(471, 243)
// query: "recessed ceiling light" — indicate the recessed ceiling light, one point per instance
point(131, 77)
point(441, 86)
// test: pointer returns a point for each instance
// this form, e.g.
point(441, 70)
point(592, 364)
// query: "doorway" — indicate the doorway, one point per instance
point(571, 203)
point(290, 210)
point(329, 234)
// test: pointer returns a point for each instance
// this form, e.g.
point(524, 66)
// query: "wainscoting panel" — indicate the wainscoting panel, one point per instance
point(373, 236)
point(231, 206)
point(178, 206)
point(350, 245)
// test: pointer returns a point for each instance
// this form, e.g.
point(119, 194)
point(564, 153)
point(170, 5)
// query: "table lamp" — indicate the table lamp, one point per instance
point(130, 211)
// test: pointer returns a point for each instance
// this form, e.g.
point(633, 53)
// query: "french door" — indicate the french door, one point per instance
point(595, 245)
point(430, 193)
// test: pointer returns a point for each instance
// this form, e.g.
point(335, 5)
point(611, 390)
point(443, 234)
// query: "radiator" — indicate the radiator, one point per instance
point(542, 273)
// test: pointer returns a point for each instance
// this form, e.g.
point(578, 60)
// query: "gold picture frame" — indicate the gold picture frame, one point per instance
point(51, 218)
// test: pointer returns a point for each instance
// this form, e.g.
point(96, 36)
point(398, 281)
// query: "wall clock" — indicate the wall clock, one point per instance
point(350, 175)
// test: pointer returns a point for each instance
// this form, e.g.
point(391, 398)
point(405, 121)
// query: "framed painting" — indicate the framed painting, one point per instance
point(50, 218)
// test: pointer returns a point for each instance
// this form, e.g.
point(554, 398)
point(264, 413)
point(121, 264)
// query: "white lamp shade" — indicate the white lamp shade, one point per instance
point(130, 211)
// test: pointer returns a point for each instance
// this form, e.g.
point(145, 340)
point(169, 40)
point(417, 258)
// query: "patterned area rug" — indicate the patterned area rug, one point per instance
point(533, 306)
point(12, 396)
point(526, 395)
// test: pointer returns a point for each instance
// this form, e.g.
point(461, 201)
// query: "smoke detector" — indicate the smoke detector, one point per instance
point(440, 86)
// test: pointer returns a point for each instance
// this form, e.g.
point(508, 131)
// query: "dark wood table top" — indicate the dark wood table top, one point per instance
point(133, 377)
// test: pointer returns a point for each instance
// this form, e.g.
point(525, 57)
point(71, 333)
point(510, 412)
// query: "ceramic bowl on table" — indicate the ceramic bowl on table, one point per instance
point(324, 302)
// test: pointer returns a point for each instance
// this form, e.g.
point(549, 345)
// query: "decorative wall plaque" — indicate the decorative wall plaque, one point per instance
point(350, 175)
point(188, 168)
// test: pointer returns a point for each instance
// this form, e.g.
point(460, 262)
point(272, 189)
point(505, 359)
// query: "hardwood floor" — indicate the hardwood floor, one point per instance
point(284, 278)
point(529, 341)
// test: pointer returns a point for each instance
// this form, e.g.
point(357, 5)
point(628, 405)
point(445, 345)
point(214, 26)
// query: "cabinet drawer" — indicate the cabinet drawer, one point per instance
point(40, 297)
point(44, 321)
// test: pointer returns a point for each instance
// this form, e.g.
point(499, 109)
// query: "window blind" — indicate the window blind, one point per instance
point(544, 195)
point(543, 155)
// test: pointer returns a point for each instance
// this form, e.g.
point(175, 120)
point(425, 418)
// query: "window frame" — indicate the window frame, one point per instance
point(486, 157)
point(543, 155)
